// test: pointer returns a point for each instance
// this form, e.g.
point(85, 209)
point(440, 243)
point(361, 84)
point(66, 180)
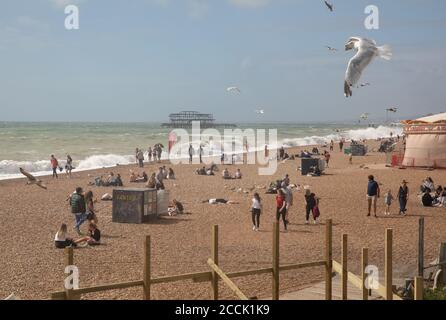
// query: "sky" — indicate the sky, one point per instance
point(140, 60)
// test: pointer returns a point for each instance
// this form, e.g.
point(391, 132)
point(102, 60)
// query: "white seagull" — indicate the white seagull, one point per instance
point(367, 51)
point(233, 89)
point(260, 111)
point(32, 179)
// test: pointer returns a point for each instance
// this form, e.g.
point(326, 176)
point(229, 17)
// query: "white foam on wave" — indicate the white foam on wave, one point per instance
point(357, 134)
point(9, 168)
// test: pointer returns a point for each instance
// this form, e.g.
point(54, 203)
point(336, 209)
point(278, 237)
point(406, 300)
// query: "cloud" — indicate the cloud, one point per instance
point(250, 3)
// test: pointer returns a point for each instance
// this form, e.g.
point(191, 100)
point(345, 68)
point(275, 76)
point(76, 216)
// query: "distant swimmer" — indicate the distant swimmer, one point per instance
point(32, 179)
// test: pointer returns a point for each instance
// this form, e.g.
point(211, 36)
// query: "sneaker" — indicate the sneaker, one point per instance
point(254, 228)
point(307, 222)
point(315, 221)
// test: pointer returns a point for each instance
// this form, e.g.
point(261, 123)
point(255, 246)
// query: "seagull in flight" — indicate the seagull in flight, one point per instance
point(329, 5)
point(394, 110)
point(362, 85)
point(331, 48)
point(260, 111)
point(233, 89)
point(32, 179)
point(367, 51)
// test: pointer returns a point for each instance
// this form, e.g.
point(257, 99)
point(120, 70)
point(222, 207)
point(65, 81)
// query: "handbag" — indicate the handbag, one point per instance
point(316, 212)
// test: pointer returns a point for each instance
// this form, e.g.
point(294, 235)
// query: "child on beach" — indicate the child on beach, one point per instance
point(388, 198)
point(281, 207)
point(256, 210)
point(94, 236)
point(89, 202)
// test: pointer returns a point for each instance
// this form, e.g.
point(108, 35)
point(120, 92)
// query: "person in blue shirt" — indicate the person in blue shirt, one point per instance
point(372, 194)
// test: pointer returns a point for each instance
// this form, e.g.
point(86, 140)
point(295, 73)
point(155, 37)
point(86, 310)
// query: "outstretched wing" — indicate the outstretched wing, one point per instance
point(28, 175)
point(40, 184)
point(358, 63)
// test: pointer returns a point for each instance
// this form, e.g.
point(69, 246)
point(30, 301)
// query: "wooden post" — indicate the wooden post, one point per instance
point(419, 288)
point(276, 256)
point(388, 264)
point(329, 259)
point(344, 275)
point(147, 268)
point(214, 254)
point(421, 247)
point(69, 261)
point(364, 275)
point(441, 259)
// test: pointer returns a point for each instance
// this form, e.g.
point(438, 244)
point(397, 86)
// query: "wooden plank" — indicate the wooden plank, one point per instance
point(147, 271)
point(249, 273)
point(196, 277)
point(276, 257)
point(108, 287)
point(344, 273)
point(421, 247)
point(302, 265)
point(442, 259)
point(329, 259)
point(214, 257)
point(226, 280)
point(364, 275)
point(388, 265)
point(419, 288)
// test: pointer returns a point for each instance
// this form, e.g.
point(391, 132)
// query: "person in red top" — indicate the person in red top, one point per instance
point(54, 166)
point(281, 207)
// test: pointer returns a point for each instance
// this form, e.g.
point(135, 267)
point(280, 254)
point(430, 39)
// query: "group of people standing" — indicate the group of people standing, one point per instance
point(284, 202)
point(56, 166)
point(373, 194)
point(154, 154)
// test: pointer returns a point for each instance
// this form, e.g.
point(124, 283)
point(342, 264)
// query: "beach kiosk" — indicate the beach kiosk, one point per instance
point(132, 205)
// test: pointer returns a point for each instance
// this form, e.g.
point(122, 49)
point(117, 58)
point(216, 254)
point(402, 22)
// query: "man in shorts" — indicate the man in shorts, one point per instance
point(372, 194)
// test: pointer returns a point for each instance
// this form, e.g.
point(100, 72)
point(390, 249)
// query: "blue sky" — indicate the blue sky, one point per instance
point(139, 60)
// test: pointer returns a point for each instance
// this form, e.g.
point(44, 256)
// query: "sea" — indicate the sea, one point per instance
point(97, 145)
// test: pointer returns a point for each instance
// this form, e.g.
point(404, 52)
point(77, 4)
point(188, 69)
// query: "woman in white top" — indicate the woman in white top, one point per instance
point(256, 210)
point(61, 240)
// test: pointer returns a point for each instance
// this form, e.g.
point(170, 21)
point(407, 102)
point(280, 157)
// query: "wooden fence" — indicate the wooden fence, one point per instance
point(216, 273)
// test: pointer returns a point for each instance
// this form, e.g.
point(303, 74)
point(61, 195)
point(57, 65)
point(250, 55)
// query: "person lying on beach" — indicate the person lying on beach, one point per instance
point(141, 178)
point(176, 208)
point(93, 238)
point(201, 171)
point(219, 201)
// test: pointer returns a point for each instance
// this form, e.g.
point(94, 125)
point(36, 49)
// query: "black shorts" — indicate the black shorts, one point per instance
point(64, 244)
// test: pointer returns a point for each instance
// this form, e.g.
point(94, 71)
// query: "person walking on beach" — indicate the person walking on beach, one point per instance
point(140, 157)
point(403, 197)
point(77, 203)
point(388, 198)
point(327, 158)
point(256, 210)
point(136, 155)
point(289, 202)
point(201, 153)
point(54, 166)
point(311, 203)
point(69, 166)
point(89, 202)
point(159, 179)
point(191, 153)
point(341, 145)
point(266, 152)
point(331, 145)
point(149, 154)
point(372, 195)
point(281, 207)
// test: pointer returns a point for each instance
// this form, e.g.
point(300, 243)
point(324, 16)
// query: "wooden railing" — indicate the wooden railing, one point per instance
point(216, 273)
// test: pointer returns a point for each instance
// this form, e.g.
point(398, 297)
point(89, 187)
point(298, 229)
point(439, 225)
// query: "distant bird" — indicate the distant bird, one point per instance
point(260, 111)
point(331, 48)
point(394, 110)
point(32, 179)
point(364, 116)
point(233, 89)
point(329, 5)
point(364, 84)
point(367, 50)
